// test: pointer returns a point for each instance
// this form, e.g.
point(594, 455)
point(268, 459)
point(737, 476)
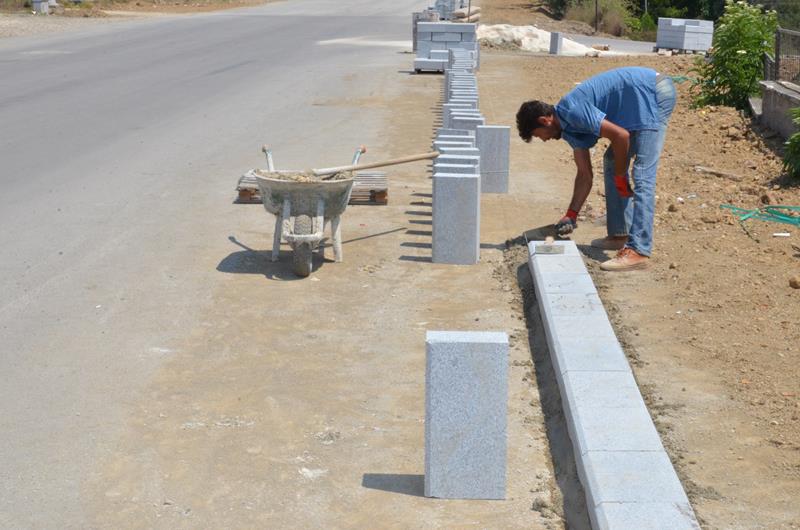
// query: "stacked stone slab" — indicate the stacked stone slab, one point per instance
point(466, 391)
point(682, 34)
point(627, 476)
point(435, 39)
point(429, 15)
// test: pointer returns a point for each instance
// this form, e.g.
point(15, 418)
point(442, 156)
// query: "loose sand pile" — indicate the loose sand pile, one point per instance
point(302, 176)
point(531, 39)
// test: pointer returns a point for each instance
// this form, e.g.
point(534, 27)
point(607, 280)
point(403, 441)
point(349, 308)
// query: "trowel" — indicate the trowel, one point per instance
point(547, 248)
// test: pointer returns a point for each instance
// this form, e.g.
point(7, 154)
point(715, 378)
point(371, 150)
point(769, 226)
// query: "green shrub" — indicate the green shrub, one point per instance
point(791, 158)
point(730, 74)
point(559, 7)
point(646, 23)
point(613, 15)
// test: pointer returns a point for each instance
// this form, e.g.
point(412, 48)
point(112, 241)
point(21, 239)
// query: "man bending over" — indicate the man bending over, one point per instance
point(631, 107)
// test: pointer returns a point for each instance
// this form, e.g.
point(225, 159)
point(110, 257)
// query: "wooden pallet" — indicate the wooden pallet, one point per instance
point(369, 187)
point(677, 51)
point(247, 189)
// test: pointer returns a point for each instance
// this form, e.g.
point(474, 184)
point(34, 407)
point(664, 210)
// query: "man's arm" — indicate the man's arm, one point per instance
point(620, 144)
point(580, 191)
point(583, 179)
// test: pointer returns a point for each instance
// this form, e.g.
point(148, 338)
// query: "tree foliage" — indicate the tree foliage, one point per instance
point(730, 75)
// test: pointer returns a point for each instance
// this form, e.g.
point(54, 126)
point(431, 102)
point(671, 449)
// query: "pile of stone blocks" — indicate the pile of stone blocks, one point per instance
point(466, 391)
point(682, 34)
point(434, 40)
point(474, 159)
point(445, 8)
point(626, 473)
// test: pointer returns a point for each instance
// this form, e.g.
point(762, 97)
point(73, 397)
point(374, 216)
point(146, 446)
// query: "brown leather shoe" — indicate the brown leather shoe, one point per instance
point(610, 242)
point(626, 259)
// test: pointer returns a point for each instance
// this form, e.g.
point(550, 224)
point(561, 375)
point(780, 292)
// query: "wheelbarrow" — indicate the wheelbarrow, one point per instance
point(303, 209)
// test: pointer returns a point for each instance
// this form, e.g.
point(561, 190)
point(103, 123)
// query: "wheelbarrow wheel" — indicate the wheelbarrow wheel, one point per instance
point(301, 257)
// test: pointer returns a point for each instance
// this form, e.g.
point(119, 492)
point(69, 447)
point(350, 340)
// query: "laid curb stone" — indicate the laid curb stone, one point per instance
point(625, 471)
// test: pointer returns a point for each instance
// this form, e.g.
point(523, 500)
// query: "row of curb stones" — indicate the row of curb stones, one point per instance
point(625, 471)
point(466, 373)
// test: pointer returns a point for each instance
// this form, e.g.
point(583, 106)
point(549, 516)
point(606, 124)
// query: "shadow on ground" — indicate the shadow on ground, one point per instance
point(405, 484)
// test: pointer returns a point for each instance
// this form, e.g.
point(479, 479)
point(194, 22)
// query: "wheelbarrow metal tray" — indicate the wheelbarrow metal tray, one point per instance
point(304, 196)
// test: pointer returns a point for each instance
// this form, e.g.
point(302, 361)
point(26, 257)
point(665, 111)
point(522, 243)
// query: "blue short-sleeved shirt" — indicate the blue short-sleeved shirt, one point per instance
point(624, 96)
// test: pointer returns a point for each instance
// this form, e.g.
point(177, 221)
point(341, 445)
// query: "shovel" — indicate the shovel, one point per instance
point(328, 172)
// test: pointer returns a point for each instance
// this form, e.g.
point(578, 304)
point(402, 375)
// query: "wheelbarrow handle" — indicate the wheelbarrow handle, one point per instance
point(403, 160)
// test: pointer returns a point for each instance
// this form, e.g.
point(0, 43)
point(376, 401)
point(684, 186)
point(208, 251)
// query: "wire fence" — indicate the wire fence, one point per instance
point(786, 62)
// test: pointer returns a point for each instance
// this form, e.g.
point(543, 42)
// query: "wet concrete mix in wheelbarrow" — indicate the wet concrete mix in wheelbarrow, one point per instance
point(303, 176)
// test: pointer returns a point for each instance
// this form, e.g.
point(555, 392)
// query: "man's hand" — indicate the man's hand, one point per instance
point(567, 224)
point(623, 186)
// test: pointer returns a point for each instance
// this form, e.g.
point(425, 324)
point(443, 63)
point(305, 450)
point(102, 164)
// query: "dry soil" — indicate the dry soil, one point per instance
point(711, 329)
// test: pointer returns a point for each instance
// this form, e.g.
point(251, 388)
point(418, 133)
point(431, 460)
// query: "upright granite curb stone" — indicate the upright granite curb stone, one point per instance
point(628, 477)
point(456, 217)
point(494, 143)
point(466, 395)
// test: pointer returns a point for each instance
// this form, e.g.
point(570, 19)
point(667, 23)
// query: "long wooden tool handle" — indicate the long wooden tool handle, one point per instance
point(394, 161)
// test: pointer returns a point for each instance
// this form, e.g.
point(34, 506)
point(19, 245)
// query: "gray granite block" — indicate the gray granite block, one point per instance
point(454, 132)
point(471, 102)
point(624, 429)
point(562, 283)
point(469, 123)
point(595, 327)
point(459, 150)
point(494, 141)
point(575, 353)
point(474, 161)
point(556, 43)
point(456, 218)
point(429, 64)
point(424, 49)
point(605, 390)
point(467, 111)
point(454, 169)
point(423, 35)
point(451, 114)
point(456, 139)
point(446, 37)
point(439, 27)
point(645, 516)
point(549, 264)
point(466, 392)
point(441, 144)
point(573, 304)
point(631, 476)
point(570, 249)
point(439, 55)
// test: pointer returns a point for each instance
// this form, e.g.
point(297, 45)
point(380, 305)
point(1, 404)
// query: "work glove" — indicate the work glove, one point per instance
point(623, 186)
point(567, 224)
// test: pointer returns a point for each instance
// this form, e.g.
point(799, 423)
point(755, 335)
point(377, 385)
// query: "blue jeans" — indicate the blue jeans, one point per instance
point(634, 216)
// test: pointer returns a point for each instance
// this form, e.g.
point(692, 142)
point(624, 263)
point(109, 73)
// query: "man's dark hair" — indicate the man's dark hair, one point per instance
point(528, 117)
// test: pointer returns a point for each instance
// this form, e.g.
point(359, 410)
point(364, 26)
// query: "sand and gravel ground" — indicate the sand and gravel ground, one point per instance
point(711, 329)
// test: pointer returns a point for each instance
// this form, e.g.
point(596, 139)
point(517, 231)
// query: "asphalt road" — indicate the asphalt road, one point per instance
point(120, 147)
point(618, 45)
